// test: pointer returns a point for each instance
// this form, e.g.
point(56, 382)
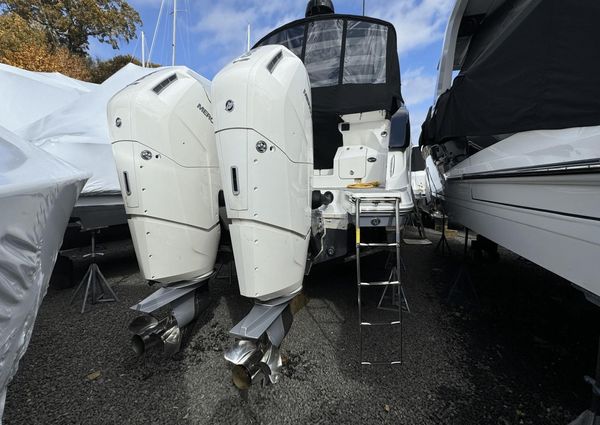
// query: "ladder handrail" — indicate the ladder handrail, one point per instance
point(393, 283)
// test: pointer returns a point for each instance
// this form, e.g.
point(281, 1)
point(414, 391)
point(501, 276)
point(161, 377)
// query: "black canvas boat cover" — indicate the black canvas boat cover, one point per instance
point(531, 64)
point(417, 163)
point(353, 66)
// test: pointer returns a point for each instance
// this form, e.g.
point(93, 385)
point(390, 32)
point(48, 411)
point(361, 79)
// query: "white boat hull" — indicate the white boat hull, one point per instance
point(535, 201)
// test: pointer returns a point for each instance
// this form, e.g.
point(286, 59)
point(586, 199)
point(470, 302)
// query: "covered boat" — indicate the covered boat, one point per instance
point(67, 118)
point(516, 134)
point(37, 194)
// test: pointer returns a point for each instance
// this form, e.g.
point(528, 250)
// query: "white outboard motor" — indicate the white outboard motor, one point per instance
point(263, 126)
point(163, 142)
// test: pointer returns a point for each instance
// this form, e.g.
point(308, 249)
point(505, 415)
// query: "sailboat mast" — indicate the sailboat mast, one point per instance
point(162, 4)
point(143, 50)
point(174, 32)
point(248, 38)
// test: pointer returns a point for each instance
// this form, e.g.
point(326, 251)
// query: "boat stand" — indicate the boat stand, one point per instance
point(415, 220)
point(398, 297)
point(94, 282)
point(595, 383)
point(443, 244)
point(592, 415)
point(462, 283)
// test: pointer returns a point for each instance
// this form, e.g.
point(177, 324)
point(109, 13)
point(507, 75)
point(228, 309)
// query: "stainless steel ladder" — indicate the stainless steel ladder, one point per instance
point(394, 281)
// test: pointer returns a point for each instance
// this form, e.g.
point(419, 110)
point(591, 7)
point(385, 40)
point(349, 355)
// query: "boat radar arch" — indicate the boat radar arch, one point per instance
point(319, 7)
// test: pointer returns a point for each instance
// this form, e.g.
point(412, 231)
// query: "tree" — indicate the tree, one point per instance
point(102, 69)
point(70, 23)
point(26, 47)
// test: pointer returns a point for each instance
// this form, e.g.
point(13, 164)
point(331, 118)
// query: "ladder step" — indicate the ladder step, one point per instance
point(381, 363)
point(378, 244)
point(384, 283)
point(423, 241)
point(394, 322)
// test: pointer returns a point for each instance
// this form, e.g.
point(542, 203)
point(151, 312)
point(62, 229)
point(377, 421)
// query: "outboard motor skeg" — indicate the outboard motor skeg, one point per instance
point(263, 126)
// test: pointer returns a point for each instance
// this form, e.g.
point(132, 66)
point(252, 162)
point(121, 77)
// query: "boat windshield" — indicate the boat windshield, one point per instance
point(339, 50)
point(352, 62)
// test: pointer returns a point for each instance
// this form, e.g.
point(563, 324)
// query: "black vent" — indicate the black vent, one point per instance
point(271, 66)
point(164, 84)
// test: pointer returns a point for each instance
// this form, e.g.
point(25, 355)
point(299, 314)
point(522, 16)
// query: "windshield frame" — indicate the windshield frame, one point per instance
point(390, 34)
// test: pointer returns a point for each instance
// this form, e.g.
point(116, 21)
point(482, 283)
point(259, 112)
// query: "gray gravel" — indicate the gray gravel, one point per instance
point(515, 357)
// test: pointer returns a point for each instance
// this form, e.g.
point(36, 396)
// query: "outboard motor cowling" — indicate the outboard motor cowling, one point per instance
point(263, 127)
point(163, 143)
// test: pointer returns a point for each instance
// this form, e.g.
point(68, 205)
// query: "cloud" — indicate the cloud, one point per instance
point(417, 87)
point(418, 23)
point(417, 116)
point(144, 3)
point(418, 93)
point(222, 28)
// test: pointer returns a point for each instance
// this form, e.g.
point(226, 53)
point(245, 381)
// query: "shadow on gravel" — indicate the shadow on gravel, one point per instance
point(530, 341)
point(240, 411)
point(517, 359)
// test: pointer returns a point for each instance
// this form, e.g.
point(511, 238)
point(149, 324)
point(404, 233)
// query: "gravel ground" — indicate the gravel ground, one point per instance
point(513, 354)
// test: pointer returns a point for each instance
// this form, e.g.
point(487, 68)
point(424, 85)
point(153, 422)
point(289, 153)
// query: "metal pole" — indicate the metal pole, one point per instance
point(174, 32)
point(398, 274)
point(248, 38)
point(143, 50)
point(162, 4)
point(363, 7)
point(596, 399)
point(91, 265)
point(358, 278)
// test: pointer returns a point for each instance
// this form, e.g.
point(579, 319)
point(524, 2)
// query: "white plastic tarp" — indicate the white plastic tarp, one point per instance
point(28, 96)
point(37, 194)
point(434, 178)
point(78, 131)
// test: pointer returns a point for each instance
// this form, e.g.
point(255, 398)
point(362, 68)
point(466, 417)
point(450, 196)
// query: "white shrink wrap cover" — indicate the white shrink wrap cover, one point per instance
point(28, 96)
point(77, 132)
point(37, 194)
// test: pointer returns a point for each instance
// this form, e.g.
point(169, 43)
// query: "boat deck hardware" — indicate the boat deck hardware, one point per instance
point(394, 282)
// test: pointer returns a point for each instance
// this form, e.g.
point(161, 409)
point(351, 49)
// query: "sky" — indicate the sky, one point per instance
point(210, 33)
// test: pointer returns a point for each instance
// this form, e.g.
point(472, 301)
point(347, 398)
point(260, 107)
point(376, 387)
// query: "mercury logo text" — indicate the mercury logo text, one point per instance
point(205, 112)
